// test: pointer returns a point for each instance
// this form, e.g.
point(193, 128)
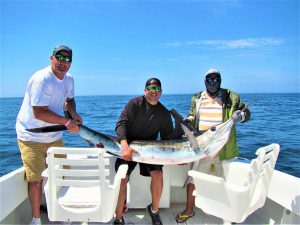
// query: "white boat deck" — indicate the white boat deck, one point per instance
point(141, 217)
point(281, 207)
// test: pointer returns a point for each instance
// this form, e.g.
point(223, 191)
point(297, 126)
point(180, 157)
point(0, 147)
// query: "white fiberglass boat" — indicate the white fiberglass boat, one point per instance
point(282, 205)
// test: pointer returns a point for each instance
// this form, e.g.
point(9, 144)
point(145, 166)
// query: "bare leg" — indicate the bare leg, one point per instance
point(156, 188)
point(190, 199)
point(121, 199)
point(35, 197)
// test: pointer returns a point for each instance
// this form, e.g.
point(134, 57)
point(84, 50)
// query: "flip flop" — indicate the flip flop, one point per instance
point(181, 217)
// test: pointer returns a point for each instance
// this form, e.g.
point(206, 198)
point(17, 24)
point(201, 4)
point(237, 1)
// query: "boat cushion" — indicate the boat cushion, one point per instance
point(79, 197)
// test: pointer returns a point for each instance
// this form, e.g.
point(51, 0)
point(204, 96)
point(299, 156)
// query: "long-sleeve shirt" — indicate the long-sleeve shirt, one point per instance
point(142, 121)
point(231, 102)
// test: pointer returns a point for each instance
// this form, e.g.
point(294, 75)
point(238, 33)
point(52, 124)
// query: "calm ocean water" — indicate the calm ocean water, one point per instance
point(275, 119)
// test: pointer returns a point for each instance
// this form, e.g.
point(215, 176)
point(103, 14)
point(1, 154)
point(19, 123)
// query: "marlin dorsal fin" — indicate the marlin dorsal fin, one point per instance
point(180, 119)
point(187, 128)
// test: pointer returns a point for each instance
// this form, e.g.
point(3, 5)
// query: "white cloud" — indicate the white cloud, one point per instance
point(174, 44)
point(230, 44)
point(188, 58)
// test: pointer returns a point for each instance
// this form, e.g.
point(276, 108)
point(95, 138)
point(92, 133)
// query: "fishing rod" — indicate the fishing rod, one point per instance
point(251, 103)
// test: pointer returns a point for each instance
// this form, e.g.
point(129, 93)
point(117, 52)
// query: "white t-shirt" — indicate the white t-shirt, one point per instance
point(43, 89)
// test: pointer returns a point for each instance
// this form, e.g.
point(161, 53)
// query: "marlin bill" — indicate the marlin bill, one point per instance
point(162, 152)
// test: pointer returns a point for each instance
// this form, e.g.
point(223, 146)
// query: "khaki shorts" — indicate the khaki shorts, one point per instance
point(34, 157)
point(211, 166)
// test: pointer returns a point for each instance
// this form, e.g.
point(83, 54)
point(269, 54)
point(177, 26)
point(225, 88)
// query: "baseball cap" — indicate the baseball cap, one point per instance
point(213, 71)
point(65, 48)
point(153, 81)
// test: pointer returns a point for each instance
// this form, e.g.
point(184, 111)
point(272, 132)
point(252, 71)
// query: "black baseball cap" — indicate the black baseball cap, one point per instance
point(153, 81)
point(65, 48)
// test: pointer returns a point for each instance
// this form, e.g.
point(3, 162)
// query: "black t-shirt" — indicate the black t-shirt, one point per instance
point(142, 121)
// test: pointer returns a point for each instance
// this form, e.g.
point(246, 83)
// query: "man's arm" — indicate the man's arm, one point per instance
point(121, 130)
point(45, 114)
point(70, 106)
point(166, 131)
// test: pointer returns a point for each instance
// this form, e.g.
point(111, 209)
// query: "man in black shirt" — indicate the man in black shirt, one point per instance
point(143, 118)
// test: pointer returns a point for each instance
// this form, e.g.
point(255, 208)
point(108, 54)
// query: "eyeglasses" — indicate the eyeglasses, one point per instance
point(150, 88)
point(63, 58)
point(212, 80)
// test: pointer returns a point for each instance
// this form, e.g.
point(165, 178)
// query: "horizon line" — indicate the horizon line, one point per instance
point(94, 95)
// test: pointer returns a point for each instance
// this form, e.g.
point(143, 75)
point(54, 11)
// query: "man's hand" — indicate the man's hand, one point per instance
point(186, 120)
point(127, 152)
point(72, 126)
point(238, 116)
point(76, 117)
point(45, 114)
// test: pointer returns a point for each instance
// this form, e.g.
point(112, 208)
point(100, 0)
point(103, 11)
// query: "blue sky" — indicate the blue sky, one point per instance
point(118, 45)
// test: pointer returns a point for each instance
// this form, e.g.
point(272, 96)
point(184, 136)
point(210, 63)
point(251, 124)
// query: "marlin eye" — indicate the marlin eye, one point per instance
point(99, 145)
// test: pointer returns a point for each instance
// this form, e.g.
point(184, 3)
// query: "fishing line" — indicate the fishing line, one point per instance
point(251, 103)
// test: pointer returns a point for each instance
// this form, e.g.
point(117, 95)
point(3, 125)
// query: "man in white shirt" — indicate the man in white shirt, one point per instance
point(48, 91)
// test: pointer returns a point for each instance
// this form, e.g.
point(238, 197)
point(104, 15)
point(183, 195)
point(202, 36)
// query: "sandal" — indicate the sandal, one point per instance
point(181, 217)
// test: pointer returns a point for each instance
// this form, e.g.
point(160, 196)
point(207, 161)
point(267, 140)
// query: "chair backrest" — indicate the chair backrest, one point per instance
point(77, 188)
point(260, 173)
point(77, 167)
point(243, 190)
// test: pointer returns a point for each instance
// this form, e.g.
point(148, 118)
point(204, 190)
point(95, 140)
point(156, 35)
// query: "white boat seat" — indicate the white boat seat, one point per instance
point(72, 197)
point(78, 188)
point(243, 189)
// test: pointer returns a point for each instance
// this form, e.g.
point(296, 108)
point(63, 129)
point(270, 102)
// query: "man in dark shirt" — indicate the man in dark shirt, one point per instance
point(143, 118)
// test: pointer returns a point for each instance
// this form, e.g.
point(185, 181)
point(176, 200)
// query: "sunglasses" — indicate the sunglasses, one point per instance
point(213, 80)
point(150, 88)
point(63, 58)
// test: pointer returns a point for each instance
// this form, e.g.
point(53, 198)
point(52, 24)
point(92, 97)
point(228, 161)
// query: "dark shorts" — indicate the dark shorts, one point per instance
point(145, 169)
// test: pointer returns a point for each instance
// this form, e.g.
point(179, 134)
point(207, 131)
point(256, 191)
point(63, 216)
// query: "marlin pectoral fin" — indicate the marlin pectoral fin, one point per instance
point(193, 166)
point(91, 144)
point(187, 181)
point(114, 154)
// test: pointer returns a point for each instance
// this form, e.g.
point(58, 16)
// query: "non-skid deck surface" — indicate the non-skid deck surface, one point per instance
point(141, 217)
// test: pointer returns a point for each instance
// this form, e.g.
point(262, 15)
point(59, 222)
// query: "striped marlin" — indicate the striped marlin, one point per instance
point(166, 152)
point(188, 149)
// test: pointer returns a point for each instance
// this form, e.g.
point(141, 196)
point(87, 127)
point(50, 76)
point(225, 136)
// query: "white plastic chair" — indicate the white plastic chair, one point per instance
point(77, 188)
point(243, 190)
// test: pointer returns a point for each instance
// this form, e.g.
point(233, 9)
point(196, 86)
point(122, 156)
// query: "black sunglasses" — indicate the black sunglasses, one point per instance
point(150, 88)
point(212, 80)
point(63, 58)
